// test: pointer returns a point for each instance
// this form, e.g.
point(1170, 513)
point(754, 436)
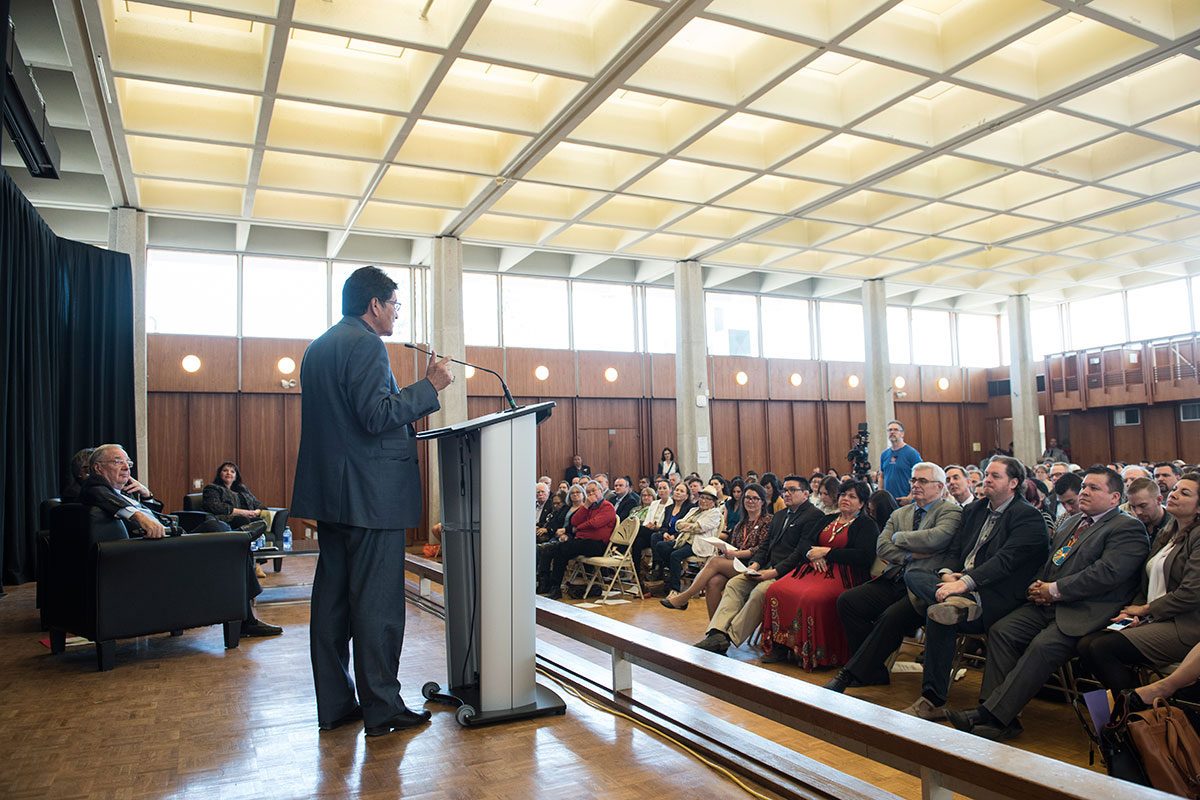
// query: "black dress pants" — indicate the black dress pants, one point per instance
point(877, 615)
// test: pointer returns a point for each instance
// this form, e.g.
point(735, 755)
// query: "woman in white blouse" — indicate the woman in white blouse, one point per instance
point(1163, 622)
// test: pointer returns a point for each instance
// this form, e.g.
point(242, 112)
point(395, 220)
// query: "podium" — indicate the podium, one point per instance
point(487, 468)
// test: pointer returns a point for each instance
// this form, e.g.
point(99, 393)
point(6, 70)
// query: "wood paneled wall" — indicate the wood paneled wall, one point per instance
point(235, 408)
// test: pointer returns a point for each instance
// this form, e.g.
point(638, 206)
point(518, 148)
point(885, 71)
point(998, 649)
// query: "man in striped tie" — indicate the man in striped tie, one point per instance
point(1091, 573)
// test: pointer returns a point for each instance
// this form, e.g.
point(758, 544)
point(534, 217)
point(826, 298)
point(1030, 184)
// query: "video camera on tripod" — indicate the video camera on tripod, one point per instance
point(859, 456)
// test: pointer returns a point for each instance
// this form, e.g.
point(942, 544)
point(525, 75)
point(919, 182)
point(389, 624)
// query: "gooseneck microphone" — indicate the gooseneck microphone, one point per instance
point(507, 394)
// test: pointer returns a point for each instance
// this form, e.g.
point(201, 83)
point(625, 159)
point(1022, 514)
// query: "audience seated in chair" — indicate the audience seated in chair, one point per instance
point(1164, 617)
point(700, 523)
point(563, 533)
point(678, 509)
point(879, 614)
point(229, 499)
point(593, 524)
point(80, 469)
point(741, 607)
point(114, 491)
point(745, 539)
point(800, 612)
point(1090, 574)
point(998, 550)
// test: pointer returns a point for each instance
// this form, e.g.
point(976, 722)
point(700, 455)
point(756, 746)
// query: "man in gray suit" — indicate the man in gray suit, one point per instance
point(357, 477)
point(1092, 572)
point(878, 614)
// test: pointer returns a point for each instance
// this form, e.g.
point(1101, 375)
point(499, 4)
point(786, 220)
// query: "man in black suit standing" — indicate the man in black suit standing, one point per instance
point(357, 476)
point(1093, 571)
point(999, 548)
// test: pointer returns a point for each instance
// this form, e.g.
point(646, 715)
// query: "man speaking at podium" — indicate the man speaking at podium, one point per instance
point(357, 477)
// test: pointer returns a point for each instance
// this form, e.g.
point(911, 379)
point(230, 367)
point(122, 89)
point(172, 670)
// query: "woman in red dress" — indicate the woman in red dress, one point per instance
point(800, 614)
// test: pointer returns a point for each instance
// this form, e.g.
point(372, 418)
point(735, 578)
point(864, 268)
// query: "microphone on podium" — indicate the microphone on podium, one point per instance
point(507, 394)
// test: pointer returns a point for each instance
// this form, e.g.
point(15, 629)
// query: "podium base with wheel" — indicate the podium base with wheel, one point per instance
point(544, 704)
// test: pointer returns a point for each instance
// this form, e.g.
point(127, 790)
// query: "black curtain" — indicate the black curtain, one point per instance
point(66, 363)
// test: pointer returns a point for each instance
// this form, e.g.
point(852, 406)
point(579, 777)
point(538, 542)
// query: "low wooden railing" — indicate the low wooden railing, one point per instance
point(945, 759)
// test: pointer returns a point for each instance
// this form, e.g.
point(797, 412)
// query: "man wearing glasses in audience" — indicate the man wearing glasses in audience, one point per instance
point(878, 614)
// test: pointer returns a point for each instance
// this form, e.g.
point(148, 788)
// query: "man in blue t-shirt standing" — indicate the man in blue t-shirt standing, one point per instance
point(897, 463)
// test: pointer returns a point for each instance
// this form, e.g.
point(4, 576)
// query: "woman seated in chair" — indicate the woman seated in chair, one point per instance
point(800, 613)
point(675, 510)
point(229, 500)
point(545, 550)
point(689, 537)
point(1164, 618)
point(754, 521)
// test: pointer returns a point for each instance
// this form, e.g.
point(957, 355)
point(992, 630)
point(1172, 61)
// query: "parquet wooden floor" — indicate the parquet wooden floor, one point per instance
point(182, 717)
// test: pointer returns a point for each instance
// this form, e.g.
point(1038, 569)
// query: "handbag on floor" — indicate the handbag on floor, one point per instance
point(1169, 748)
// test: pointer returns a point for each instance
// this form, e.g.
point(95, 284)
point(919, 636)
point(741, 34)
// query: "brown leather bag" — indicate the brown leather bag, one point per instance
point(1169, 748)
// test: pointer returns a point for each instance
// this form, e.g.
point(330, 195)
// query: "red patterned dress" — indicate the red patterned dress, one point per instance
point(800, 612)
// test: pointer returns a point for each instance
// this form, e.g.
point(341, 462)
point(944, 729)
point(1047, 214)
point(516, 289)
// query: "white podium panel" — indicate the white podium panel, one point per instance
point(487, 480)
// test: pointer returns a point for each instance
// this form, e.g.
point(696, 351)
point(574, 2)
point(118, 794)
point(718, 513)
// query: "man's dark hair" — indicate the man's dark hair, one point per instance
point(804, 483)
point(1115, 482)
point(362, 285)
point(1012, 467)
point(1068, 482)
point(1173, 467)
point(694, 480)
point(955, 466)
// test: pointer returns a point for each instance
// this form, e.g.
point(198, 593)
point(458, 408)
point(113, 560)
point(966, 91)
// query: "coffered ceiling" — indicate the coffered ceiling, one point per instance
point(964, 150)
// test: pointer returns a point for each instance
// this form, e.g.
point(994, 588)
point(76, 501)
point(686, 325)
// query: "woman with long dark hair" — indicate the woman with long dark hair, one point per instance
point(770, 481)
point(666, 463)
point(229, 499)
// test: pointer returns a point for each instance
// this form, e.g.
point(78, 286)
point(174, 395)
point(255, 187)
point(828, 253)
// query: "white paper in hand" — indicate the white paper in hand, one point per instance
point(720, 544)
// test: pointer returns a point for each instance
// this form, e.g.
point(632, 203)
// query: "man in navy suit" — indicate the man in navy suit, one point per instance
point(357, 477)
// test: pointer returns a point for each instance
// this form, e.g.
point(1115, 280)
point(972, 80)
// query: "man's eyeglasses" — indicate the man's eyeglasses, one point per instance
point(395, 304)
point(921, 481)
point(118, 462)
point(791, 489)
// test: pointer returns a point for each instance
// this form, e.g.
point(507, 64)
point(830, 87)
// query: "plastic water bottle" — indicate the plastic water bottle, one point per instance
point(260, 542)
point(287, 539)
point(254, 544)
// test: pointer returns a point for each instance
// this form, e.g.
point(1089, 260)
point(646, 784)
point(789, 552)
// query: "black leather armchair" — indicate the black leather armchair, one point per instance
point(43, 555)
point(103, 585)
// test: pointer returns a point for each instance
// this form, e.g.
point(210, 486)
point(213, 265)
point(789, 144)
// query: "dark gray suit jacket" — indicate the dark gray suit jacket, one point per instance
point(1100, 574)
point(358, 458)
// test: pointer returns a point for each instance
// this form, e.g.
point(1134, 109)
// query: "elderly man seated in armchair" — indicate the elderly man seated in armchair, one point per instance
point(111, 488)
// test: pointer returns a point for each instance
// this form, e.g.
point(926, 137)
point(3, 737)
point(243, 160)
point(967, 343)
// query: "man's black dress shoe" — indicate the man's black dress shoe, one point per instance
point(353, 715)
point(998, 733)
point(256, 627)
point(405, 719)
point(965, 721)
point(841, 682)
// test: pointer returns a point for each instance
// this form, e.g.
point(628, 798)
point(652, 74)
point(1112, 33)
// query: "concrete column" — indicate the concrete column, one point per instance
point(693, 430)
point(878, 379)
point(445, 314)
point(127, 234)
point(1027, 438)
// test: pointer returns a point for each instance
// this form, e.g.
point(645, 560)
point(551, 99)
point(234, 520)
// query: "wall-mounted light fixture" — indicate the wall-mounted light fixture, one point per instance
point(469, 372)
point(741, 378)
point(795, 379)
point(852, 381)
point(190, 363)
point(285, 365)
point(943, 383)
point(541, 373)
point(899, 383)
point(287, 383)
point(611, 374)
